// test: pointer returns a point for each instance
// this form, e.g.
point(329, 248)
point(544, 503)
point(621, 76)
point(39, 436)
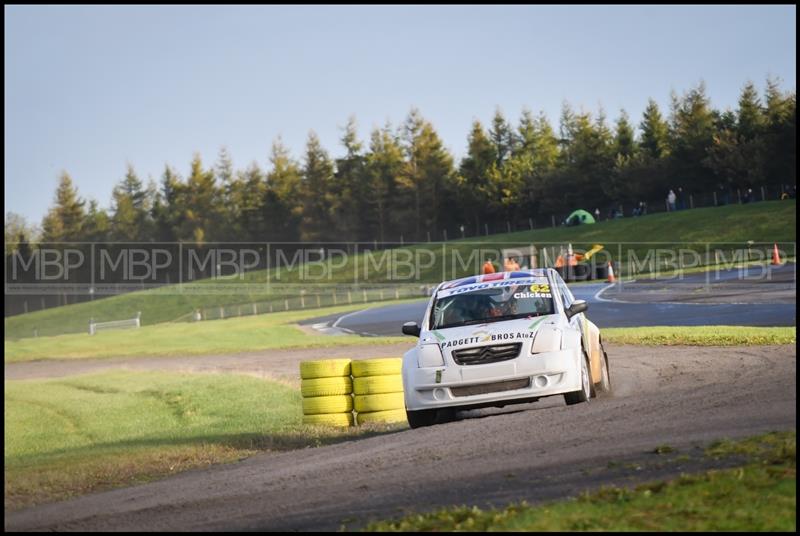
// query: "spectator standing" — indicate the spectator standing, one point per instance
point(488, 267)
point(510, 265)
point(671, 201)
point(722, 194)
point(681, 199)
point(597, 214)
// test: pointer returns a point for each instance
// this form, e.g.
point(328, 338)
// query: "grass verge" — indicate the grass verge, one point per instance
point(701, 335)
point(81, 434)
point(758, 496)
point(262, 332)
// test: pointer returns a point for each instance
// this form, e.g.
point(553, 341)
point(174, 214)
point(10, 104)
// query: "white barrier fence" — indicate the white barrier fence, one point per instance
point(307, 301)
point(94, 327)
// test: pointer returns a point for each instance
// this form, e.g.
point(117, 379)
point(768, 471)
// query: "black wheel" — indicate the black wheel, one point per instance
point(429, 417)
point(445, 415)
point(605, 378)
point(423, 417)
point(585, 392)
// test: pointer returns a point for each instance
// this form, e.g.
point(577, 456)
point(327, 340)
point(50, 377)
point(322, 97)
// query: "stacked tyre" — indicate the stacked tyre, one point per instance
point(326, 387)
point(378, 389)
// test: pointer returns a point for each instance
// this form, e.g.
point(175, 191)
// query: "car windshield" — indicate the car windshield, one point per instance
point(461, 307)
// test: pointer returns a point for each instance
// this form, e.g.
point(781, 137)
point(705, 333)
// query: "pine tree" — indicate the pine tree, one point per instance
point(566, 132)
point(97, 225)
point(535, 158)
point(592, 161)
point(750, 115)
point(230, 209)
point(247, 192)
point(128, 222)
point(545, 149)
point(64, 221)
point(737, 152)
point(224, 168)
point(624, 142)
point(692, 131)
point(428, 175)
point(350, 192)
point(167, 211)
point(526, 131)
point(18, 233)
point(473, 182)
point(410, 183)
point(536, 137)
point(781, 134)
point(602, 132)
point(284, 184)
point(317, 193)
point(384, 167)
point(655, 132)
point(502, 137)
point(200, 205)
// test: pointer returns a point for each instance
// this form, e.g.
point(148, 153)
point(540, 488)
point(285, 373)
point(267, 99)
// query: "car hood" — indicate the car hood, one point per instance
point(519, 330)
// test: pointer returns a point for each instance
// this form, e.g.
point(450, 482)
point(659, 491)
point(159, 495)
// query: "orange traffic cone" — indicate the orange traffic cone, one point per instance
point(776, 256)
point(611, 278)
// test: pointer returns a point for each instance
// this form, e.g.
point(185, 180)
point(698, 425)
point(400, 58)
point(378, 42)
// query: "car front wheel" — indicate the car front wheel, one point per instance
point(429, 417)
point(585, 392)
point(605, 379)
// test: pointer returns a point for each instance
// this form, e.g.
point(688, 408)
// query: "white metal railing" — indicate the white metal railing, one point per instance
point(307, 301)
point(115, 324)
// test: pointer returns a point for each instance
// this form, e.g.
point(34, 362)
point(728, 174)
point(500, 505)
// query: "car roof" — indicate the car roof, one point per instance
point(498, 276)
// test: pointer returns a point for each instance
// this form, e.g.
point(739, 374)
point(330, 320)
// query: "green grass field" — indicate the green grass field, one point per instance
point(262, 332)
point(758, 496)
point(79, 434)
point(765, 222)
point(701, 335)
point(276, 331)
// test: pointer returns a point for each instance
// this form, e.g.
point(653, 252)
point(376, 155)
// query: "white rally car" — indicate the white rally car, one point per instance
point(499, 339)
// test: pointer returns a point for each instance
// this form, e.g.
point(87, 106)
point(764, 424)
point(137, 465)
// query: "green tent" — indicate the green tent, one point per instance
point(580, 217)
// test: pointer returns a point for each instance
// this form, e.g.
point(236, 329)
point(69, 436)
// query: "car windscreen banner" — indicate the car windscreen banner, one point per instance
point(539, 282)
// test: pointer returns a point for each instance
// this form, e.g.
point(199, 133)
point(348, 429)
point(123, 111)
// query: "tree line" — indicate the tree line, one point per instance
point(403, 184)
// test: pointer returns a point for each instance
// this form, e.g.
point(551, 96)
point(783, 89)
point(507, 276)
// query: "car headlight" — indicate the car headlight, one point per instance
point(546, 340)
point(430, 355)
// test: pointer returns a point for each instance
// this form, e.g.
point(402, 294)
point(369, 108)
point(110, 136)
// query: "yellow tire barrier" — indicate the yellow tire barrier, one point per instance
point(382, 402)
point(327, 404)
point(375, 385)
point(377, 367)
point(326, 368)
point(392, 415)
point(330, 419)
point(326, 386)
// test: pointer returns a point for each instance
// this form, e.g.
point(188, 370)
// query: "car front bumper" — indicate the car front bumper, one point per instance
point(475, 385)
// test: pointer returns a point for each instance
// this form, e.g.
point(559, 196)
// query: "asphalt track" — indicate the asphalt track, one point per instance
point(758, 296)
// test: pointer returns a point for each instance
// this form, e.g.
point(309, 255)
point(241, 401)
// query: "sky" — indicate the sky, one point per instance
point(89, 89)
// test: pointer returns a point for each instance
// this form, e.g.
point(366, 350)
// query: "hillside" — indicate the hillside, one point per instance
point(729, 228)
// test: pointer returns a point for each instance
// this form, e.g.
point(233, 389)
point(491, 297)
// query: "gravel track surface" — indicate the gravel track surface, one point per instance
point(678, 396)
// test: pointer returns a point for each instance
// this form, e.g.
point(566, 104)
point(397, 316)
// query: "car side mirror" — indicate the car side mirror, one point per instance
point(411, 328)
point(578, 306)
